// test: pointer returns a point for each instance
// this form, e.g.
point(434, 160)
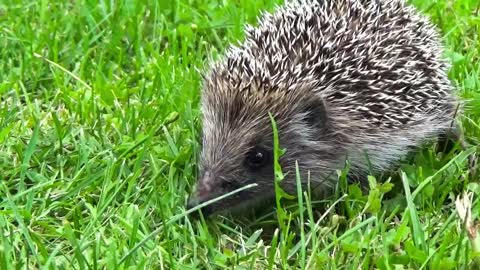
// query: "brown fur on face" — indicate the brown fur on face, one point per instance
point(231, 131)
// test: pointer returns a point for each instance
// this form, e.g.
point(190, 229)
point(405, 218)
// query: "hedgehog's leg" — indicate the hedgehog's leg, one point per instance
point(450, 138)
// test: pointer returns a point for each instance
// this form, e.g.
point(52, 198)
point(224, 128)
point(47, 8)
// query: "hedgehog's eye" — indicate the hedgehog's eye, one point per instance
point(257, 158)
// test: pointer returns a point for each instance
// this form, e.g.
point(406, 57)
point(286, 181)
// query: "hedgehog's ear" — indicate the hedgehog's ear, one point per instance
point(316, 113)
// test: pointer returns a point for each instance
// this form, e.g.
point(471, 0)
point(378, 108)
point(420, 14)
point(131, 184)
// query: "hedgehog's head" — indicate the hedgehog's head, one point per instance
point(238, 142)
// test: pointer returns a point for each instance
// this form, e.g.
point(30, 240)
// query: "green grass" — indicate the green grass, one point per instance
point(99, 127)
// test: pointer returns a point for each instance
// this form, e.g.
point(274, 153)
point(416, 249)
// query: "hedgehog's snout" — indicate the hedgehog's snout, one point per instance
point(202, 192)
point(194, 201)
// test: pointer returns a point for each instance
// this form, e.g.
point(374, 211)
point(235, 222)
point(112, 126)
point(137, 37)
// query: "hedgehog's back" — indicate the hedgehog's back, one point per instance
point(378, 61)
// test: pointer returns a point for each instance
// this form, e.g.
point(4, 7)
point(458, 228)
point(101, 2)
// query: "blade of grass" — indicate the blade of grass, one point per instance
point(417, 231)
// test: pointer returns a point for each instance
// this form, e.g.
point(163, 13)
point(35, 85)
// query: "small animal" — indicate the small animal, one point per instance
point(362, 80)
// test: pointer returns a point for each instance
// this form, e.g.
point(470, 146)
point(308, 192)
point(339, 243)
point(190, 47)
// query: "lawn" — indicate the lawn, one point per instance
point(99, 139)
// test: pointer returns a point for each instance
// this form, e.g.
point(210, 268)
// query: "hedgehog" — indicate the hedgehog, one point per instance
point(345, 80)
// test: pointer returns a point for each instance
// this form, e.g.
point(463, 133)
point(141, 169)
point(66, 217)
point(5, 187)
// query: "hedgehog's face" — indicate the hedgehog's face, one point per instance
point(254, 164)
point(238, 149)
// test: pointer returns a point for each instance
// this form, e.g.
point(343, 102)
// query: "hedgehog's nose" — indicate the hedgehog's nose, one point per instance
point(192, 202)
